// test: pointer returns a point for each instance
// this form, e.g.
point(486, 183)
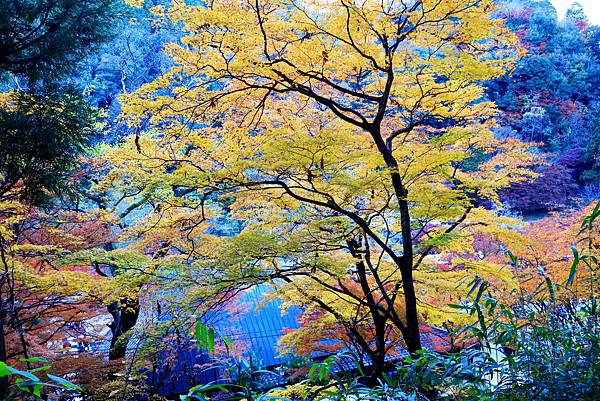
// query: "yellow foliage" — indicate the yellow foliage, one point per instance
point(135, 3)
point(339, 134)
point(297, 391)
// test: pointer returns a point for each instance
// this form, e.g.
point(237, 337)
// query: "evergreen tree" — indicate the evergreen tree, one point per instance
point(44, 39)
point(43, 129)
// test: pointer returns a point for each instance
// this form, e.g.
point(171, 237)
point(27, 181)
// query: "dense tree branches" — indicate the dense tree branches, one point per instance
point(340, 133)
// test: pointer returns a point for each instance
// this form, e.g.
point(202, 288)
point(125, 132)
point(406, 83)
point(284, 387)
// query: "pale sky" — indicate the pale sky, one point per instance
point(591, 8)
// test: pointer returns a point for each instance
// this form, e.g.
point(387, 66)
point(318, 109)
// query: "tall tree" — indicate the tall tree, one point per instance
point(44, 39)
point(576, 15)
point(353, 139)
point(43, 129)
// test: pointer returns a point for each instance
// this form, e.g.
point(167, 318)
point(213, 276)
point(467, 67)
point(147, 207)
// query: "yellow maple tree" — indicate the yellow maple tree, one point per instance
point(351, 140)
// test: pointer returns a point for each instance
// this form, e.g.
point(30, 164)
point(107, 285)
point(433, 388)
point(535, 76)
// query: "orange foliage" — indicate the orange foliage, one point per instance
point(549, 253)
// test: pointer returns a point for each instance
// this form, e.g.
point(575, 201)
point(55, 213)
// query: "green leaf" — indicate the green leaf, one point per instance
point(574, 265)
point(33, 359)
point(203, 388)
point(63, 382)
point(203, 336)
point(198, 334)
point(211, 340)
point(482, 287)
point(228, 344)
point(4, 370)
point(40, 369)
point(22, 373)
point(473, 286)
point(514, 260)
point(30, 386)
point(323, 372)
point(313, 369)
point(550, 287)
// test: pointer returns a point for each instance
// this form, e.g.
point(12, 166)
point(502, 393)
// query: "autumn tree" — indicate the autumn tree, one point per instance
point(352, 142)
point(44, 129)
point(576, 15)
point(562, 248)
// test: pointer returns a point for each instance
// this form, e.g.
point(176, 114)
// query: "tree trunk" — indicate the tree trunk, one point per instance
point(378, 359)
point(411, 333)
point(4, 379)
point(4, 277)
point(379, 320)
point(125, 315)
